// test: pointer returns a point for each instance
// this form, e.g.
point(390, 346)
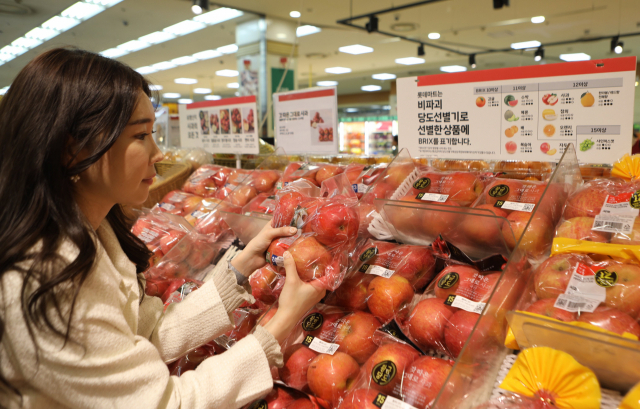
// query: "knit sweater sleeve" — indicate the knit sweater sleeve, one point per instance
point(208, 309)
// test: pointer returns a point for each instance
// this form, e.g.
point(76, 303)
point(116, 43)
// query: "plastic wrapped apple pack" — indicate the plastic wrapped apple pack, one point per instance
point(244, 319)
point(264, 203)
point(460, 165)
point(327, 231)
point(191, 360)
point(178, 202)
point(203, 182)
point(431, 185)
point(524, 170)
point(208, 219)
point(390, 179)
point(282, 397)
point(266, 285)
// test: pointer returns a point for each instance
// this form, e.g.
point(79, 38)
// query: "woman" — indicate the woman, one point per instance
point(76, 330)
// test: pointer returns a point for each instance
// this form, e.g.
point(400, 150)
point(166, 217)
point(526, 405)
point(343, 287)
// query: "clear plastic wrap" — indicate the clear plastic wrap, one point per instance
point(179, 203)
point(205, 181)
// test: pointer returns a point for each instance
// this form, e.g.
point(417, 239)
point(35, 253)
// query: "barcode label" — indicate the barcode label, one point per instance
point(148, 235)
point(199, 214)
point(379, 271)
point(585, 286)
point(523, 207)
point(432, 197)
point(166, 206)
point(177, 197)
point(466, 304)
point(359, 187)
point(619, 205)
point(393, 403)
point(613, 223)
point(574, 303)
point(319, 345)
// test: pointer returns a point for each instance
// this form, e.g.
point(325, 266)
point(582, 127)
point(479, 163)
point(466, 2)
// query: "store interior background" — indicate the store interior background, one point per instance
point(366, 103)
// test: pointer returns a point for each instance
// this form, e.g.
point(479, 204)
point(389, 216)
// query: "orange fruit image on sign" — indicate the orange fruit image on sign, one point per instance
point(549, 130)
point(509, 132)
point(480, 101)
point(587, 99)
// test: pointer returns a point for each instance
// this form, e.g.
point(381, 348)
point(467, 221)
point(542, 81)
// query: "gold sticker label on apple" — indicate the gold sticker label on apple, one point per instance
point(422, 183)
point(368, 253)
point(499, 191)
point(384, 372)
point(380, 399)
point(634, 202)
point(449, 280)
point(312, 321)
point(259, 404)
point(606, 279)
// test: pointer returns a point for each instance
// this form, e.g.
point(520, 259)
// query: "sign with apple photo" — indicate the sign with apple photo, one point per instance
point(305, 120)
point(223, 126)
point(521, 113)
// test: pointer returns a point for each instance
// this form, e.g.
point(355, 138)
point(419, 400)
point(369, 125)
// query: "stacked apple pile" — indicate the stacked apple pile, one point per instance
point(282, 397)
point(207, 179)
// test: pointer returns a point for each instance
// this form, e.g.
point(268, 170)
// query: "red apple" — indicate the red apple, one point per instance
point(171, 270)
point(462, 187)
point(552, 277)
point(458, 329)
point(456, 279)
point(201, 254)
point(380, 190)
point(484, 285)
point(396, 174)
point(203, 187)
point(631, 239)
point(265, 180)
point(266, 284)
point(353, 292)
point(330, 376)
point(586, 203)
point(625, 293)
point(481, 229)
point(535, 239)
point(355, 335)
point(297, 359)
point(302, 403)
point(242, 195)
point(327, 171)
point(415, 263)
point(405, 220)
point(552, 203)
point(579, 228)
point(423, 380)
point(388, 295)
point(440, 222)
point(612, 320)
point(427, 321)
point(285, 208)
point(190, 204)
point(427, 182)
point(385, 367)
point(546, 307)
point(221, 176)
point(311, 257)
point(360, 399)
point(322, 323)
point(278, 398)
point(180, 250)
point(376, 252)
point(291, 168)
point(334, 224)
point(171, 239)
point(353, 173)
point(502, 189)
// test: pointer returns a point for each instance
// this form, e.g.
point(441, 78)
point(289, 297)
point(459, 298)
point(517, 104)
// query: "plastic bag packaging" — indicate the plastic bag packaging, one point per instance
point(390, 179)
point(263, 203)
point(179, 203)
point(245, 320)
point(266, 284)
point(460, 165)
point(203, 182)
point(524, 170)
point(208, 219)
point(280, 397)
point(631, 399)
point(159, 231)
point(515, 401)
point(191, 360)
point(437, 186)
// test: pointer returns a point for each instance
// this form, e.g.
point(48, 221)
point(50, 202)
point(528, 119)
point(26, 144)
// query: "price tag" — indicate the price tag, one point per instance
point(389, 402)
point(359, 187)
point(585, 286)
point(614, 223)
point(619, 205)
point(432, 197)
point(466, 304)
point(574, 303)
point(148, 235)
point(166, 206)
point(199, 214)
point(319, 345)
point(522, 207)
point(379, 271)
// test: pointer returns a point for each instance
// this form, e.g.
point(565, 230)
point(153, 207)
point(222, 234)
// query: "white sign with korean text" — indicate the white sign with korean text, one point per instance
point(522, 113)
point(223, 126)
point(306, 121)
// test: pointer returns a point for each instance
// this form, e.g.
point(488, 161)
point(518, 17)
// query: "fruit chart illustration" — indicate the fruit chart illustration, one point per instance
point(523, 113)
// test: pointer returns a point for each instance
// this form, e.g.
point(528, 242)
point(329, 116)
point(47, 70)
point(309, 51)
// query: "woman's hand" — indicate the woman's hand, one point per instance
point(252, 257)
point(296, 299)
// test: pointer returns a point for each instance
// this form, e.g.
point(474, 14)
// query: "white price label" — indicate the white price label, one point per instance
point(432, 197)
point(522, 207)
point(359, 187)
point(166, 206)
point(319, 345)
point(468, 305)
point(277, 260)
point(380, 271)
point(619, 205)
point(614, 223)
point(202, 176)
point(394, 403)
point(148, 235)
point(573, 303)
point(177, 197)
point(199, 214)
point(585, 286)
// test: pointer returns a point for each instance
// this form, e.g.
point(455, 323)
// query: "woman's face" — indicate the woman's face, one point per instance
point(124, 174)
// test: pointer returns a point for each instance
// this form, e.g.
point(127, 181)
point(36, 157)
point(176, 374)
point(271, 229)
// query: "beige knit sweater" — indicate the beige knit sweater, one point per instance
point(118, 360)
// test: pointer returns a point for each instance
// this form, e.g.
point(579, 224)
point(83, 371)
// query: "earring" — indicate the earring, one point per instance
point(75, 178)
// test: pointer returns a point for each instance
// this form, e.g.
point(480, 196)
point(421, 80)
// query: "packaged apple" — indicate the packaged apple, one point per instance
point(264, 203)
point(244, 321)
point(203, 181)
point(523, 170)
point(208, 220)
point(266, 284)
point(390, 178)
point(191, 360)
point(460, 165)
point(178, 202)
point(282, 397)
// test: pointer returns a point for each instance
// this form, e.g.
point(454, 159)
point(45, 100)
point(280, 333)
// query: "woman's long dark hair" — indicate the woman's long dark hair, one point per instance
point(62, 102)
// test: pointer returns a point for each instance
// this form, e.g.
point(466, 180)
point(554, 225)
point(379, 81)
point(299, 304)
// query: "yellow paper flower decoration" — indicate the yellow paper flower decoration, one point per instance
point(632, 400)
point(627, 167)
point(555, 377)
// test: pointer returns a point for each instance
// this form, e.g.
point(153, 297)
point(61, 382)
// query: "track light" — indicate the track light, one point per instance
point(420, 50)
point(539, 55)
point(372, 25)
point(199, 6)
point(616, 45)
point(472, 60)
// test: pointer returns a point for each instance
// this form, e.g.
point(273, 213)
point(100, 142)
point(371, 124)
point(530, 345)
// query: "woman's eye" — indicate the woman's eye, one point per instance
point(141, 136)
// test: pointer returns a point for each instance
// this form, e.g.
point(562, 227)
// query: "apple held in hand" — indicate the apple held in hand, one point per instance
point(311, 257)
point(385, 367)
point(579, 228)
point(612, 320)
point(330, 376)
point(266, 284)
point(388, 295)
point(286, 207)
point(536, 238)
point(546, 308)
point(586, 203)
point(355, 335)
point(552, 277)
point(458, 329)
point(456, 279)
point(427, 321)
point(335, 224)
point(423, 380)
point(297, 359)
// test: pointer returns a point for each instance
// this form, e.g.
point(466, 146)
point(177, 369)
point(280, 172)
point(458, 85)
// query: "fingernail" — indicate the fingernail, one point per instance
point(287, 254)
point(293, 230)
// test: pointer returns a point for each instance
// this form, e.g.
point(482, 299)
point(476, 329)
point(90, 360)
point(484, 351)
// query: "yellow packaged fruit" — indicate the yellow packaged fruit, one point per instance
point(549, 115)
point(554, 377)
point(632, 399)
point(587, 99)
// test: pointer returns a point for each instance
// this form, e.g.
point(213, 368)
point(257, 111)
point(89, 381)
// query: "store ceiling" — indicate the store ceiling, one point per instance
point(464, 25)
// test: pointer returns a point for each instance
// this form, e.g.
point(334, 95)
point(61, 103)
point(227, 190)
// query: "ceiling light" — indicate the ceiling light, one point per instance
point(295, 14)
point(218, 16)
point(106, 3)
point(202, 90)
point(212, 97)
point(525, 44)
point(227, 73)
point(205, 55)
point(409, 61)
point(184, 60)
point(133, 45)
point(171, 95)
point(372, 25)
point(537, 20)
point(185, 101)
point(472, 61)
point(281, 35)
point(420, 50)
point(157, 37)
point(539, 55)
point(82, 10)
point(433, 36)
point(154, 87)
point(114, 53)
point(146, 70)
point(233, 85)
point(199, 6)
point(306, 30)
point(370, 88)
point(6, 57)
point(13, 50)
point(617, 45)
point(59, 23)
point(42, 34)
point(4, 90)
point(351, 110)
point(228, 49)
point(355, 49)
point(164, 65)
point(184, 27)
point(185, 81)
point(337, 70)
point(386, 107)
point(383, 76)
point(327, 83)
point(575, 57)
point(453, 68)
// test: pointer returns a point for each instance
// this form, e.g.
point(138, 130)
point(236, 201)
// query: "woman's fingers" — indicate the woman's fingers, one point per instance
point(290, 268)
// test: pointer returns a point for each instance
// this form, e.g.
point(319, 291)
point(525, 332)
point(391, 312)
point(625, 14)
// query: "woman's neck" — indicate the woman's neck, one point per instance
point(94, 210)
